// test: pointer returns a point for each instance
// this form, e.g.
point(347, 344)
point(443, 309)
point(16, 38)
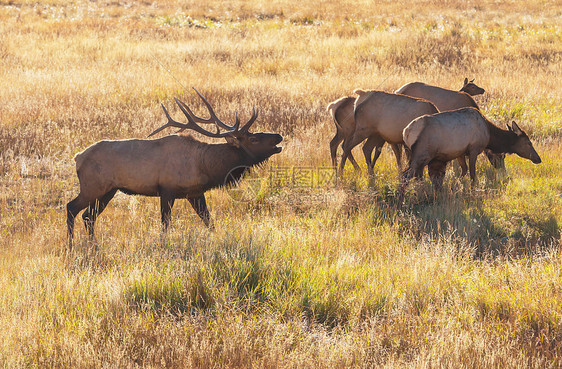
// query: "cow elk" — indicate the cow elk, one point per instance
point(171, 167)
point(472, 88)
point(445, 100)
point(436, 139)
point(381, 117)
point(342, 112)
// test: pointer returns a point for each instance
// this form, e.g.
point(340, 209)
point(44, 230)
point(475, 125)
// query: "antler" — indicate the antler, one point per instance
point(220, 123)
point(249, 123)
point(191, 125)
point(192, 118)
point(213, 117)
point(195, 117)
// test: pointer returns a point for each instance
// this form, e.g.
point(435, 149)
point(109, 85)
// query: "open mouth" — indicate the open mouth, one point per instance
point(277, 149)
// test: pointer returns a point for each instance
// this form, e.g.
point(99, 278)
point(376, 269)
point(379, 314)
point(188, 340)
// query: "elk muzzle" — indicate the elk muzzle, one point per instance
point(535, 158)
point(276, 141)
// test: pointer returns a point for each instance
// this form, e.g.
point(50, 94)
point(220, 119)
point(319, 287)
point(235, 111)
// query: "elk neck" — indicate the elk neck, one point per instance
point(224, 163)
point(501, 140)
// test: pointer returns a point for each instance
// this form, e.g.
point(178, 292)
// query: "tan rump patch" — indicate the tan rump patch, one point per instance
point(333, 106)
point(412, 131)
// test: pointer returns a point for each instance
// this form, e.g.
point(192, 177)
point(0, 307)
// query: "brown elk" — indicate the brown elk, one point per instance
point(381, 117)
point(436, 139)
point(472, 88)
point(171, 167)
point(342, 112)
point(445, 100)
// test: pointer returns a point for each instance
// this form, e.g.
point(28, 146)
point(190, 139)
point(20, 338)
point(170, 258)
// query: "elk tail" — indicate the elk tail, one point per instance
point(359, 92)
point(333, 107)
point(79, 159)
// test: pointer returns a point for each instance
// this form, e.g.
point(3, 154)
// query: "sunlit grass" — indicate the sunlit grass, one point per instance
point(333, 275)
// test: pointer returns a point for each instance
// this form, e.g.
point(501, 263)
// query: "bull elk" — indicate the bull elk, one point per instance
point(170, 167)
point(436, 139)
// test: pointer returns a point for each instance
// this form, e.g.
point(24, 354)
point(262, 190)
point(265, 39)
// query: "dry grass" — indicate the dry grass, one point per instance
point(298, 277)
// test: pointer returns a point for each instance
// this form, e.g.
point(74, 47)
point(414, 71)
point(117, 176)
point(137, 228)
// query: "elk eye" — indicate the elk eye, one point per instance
point(253, 140)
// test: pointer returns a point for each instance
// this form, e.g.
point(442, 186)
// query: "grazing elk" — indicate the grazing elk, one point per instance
point(170, 167)
point(342, 112)
point(381, 117)
point(445, 100)
point(437, 139)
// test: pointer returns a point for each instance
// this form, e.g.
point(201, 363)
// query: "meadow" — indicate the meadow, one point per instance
point(318, 276)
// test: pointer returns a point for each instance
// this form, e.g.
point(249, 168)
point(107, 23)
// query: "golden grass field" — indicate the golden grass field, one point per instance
point(313, 277)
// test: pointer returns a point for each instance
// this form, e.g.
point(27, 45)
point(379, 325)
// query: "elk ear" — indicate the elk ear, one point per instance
point(233, 140)
point(465, 81)
point(508, 127)
point(515, 128)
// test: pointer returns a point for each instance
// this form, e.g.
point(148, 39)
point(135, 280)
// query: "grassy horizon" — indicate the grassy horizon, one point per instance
point(299, 276)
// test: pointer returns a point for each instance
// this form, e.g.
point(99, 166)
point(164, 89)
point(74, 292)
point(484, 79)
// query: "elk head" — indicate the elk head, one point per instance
point(522, 145)
point(259, 146)
point(471, 88)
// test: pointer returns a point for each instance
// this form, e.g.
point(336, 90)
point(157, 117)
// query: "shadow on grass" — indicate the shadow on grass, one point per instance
point(469, 216)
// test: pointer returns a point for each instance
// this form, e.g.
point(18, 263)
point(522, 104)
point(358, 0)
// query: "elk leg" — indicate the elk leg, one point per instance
point(472, 166)
point(418, 160)
point(367, 151)
point(436, 170)
point(334, 147)
point(462, 162)
point(408, 153)
point(166, 204)
point(354, 163)
point(378, 151)
point(415, 168)
point(200, 206)
point(348, 145)
point(376, 143)
point(397, 148)
point(72, 209)
point(406, 176)
point(94, 210)
point(418, 172)
point(351, 157)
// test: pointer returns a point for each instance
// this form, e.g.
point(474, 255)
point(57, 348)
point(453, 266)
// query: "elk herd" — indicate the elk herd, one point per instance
point(433, 125)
